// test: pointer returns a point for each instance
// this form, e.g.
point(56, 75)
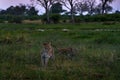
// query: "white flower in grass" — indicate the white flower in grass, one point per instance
point(65, 30)
point(41, 30)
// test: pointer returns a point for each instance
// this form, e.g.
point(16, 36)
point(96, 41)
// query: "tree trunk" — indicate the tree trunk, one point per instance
point(47, 16)
point(91, 10)
point(72, 14)
point(103, 6)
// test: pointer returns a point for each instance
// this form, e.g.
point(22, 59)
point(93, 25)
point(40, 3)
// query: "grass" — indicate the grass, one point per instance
point(97, 56)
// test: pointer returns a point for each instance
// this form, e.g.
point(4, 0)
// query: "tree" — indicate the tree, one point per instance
point(91, 5)
point(56, 8)
point(55, 11)
point(46, 4)
point(2, 12)
point(108, 8)
point(20, 10)
point(81, 7)
point(104, 3)
point(70, 5)
point(97, 9)
point(117, 12)
point(31, 11)
point(17, 10)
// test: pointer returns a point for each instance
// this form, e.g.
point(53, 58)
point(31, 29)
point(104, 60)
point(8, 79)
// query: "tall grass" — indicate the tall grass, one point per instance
point(97, 54)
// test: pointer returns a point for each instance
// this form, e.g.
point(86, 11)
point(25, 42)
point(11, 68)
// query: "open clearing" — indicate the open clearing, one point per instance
point(97, 56)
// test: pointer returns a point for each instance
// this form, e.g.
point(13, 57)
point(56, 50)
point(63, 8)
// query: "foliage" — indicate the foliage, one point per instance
point(98, 18)
point(46, 4)
point(16, 19)
point(31, 11)
point(56, 8)
point(104, 4)
point(19, 10)
point(55, 18)
point(81, 7)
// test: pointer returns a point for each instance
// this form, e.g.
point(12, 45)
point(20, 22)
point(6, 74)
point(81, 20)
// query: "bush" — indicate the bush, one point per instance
point(16, 19)
point(33, 17)
point(98, 18)
point(55, 18)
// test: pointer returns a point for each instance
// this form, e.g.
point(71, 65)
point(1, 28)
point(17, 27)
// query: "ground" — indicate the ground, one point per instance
point(97, 54)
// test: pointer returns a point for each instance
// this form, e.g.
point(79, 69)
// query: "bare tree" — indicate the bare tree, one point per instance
point(32, 3)
point(108, 8)
point(70, 5)
point(78, 8)
point(91, 5)
point(104, 3)
point(81, 7)
point(98, 8)
point(46, 4)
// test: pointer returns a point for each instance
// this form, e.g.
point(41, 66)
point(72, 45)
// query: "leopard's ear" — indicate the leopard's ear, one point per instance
point(45, 43)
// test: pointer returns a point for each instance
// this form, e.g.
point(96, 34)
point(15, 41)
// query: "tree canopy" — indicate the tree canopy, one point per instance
point(19, 10)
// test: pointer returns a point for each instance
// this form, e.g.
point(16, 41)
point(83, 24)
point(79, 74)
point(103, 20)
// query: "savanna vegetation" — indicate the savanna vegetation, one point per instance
point(95, 38)
point(97, 51)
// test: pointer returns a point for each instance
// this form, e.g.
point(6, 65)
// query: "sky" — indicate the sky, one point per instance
point(7, 3)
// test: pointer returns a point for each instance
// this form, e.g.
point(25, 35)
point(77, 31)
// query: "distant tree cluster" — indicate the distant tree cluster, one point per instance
point(75, 6)
point(20, 10)
point(54, 8)
point(15, 14)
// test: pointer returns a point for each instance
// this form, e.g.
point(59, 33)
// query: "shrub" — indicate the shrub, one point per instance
point(55, 18)
point(16, 19)
point(33, 17)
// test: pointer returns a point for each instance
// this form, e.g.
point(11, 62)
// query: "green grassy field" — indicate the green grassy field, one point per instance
point(97, 56)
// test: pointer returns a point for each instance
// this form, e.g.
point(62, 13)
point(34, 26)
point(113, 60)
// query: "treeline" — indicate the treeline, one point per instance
point(18, 13)
point(20, 10)
point(61, 18)
point(77, 6)
point(54, 12)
